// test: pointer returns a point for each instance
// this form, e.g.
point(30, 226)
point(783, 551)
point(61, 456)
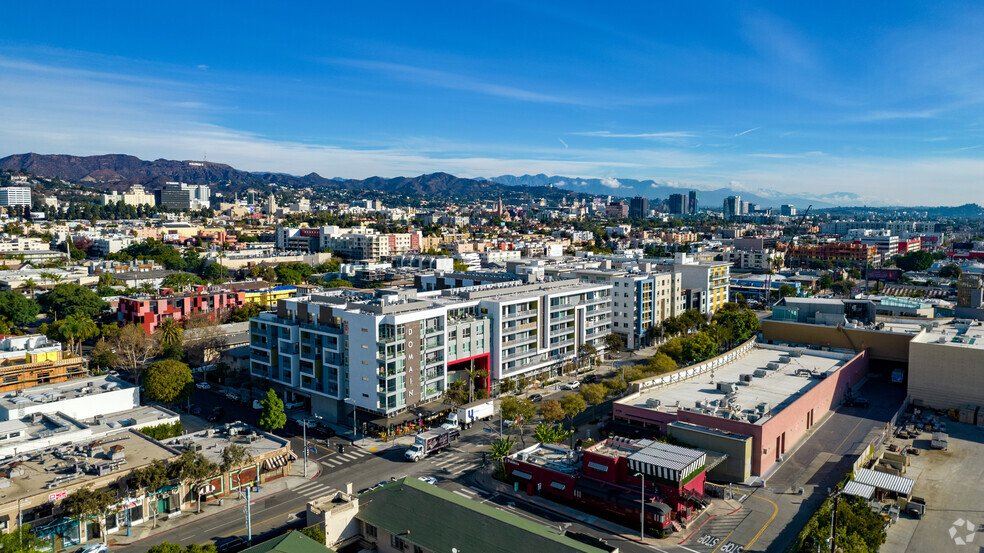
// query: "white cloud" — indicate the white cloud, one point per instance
point(608, 134)
point(611, 182)
point(202, 67)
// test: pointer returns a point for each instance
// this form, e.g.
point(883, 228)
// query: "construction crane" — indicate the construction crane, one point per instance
point(802, 218)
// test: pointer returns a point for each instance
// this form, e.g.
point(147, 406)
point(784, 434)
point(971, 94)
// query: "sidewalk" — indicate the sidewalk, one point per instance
point(212, 508)
point(483, 478)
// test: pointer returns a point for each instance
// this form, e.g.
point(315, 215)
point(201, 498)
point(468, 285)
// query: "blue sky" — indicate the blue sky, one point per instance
point(880, 99)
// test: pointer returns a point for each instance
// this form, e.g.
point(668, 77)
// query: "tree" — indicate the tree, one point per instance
point(573, 405)
point(316, 533)
point(168, 381)
point(85, 503)
point(73, 330)
point(825, 281)
point(843, 287)
point(245, 313)
point(551, 411)
point(786, 290)
point(215, 272)
point(500, 450)
point(699, 347)
point(20, 540)
point(474, 373)
point(593, 394)
point(614, 343)
point(102, 355)
point(587, 352)
point(193, 467)
point(168, 339)
point(133, 347)
point(273, 416)
point(181, 281)
point(521, 410)
point(915, 261)
point(233, 457)
point(459, 266)
point(202, 340)
point(150, 479)
point(338, 283)
point(455, 394)
point(951, 271)
point(550, 433)
point(17, 309)
point(71, 299)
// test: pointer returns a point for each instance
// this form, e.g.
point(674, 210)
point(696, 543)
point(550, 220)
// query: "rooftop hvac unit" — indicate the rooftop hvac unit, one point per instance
point(746, 378)
point(727, 387)
point(652, 403)
point(45, 434)
point(760, 373)
point(796, 353)
point(784, 359)
point(36, 417)
point(701, 404)
point(762, 408)
point(773, 366)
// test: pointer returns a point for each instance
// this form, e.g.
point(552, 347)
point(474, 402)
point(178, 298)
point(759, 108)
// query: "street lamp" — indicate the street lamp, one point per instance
point(20, 518)
point(642, 506)
point(304, 425)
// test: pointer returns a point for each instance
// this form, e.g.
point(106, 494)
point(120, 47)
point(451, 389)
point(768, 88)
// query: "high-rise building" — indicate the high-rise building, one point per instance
point(678, 203)
point(183, 196)
point(694, 206)
point(732, 207)
point(639, 207)
point(787, 210)
point(15, 195)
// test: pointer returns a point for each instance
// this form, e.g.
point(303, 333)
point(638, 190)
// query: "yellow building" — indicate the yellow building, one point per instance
point(27, 361)
point(267, 297)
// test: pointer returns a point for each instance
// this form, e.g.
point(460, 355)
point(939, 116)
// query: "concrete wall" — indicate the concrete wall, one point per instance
point(946, 376)
point(890, 346)
point(738, 447)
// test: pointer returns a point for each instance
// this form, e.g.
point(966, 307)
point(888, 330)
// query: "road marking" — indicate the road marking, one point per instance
point(774, 513)
point(743, 498)
point(466, 496)
point(725, 540)
point(479, 490)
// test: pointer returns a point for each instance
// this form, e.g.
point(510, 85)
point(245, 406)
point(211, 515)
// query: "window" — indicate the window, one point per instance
point(370, 530)
point(418, 549)
point(397, 542)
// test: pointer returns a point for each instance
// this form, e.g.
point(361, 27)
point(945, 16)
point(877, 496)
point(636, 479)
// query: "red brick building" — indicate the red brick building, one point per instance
point(603, 479)
point(149, 311)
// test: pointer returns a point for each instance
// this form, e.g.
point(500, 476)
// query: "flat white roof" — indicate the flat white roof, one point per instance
point(884, 481)
point(775, 387)
point(48, 393)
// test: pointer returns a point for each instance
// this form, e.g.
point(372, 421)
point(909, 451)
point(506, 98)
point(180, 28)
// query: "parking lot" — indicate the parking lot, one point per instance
point(952, 483)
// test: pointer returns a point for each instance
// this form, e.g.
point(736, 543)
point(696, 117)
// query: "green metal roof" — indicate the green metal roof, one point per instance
point(291, 542)
point(439, 520)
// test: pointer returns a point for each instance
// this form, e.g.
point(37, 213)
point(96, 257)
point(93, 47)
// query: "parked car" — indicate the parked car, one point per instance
point(428, 479)
point(257, 404)
point(216, 414)
point(536, 397)
point(590, 379)
point(203, 386)
point(93, 548)
point(231, 545)
point(293, 404)
point(858, 402)
point(232, 396)
point(572, 385)
point(196, 410)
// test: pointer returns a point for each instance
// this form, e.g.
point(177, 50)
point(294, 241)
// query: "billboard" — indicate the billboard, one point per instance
point(888, 275)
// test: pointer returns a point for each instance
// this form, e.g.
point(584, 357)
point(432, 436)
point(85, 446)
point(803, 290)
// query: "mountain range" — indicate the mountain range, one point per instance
point(118, 171)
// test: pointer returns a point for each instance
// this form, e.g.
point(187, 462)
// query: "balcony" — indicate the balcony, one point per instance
point(517, 341)
point(519, 314)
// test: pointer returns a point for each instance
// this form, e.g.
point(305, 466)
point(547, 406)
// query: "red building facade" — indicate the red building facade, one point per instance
point(149, 311)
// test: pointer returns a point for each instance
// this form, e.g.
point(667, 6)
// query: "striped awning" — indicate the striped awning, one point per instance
point(276, 462)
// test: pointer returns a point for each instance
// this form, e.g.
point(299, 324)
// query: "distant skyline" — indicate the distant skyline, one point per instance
point(882, 100)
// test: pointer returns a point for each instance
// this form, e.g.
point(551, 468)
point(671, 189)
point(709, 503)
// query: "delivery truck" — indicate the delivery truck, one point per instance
point(467, 415)
point(428, 442)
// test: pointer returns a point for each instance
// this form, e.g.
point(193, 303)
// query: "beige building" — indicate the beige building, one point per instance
point(946, 366)
point(136, 196)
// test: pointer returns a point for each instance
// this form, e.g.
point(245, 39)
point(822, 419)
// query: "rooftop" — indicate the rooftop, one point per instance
point(56, 468)
point(396, 508)
point(669, 456)
point(755, 390)
point(48, 393)
point(960, 334)
point(213, 440)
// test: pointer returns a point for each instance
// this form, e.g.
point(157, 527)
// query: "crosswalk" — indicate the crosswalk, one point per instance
point(451, 463)
point(314, 489)
point(335, 460)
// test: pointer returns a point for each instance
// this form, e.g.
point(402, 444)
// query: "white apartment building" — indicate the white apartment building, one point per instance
point(15, 195)
point(640, 301)
point(390, 354)
point(136, 196)
point(756, 260)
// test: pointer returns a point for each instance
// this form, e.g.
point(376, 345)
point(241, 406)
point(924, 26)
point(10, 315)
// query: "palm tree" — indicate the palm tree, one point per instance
point(500, 450)
point(28, 285)
point(50, 277)
point(147, 288)
point(474, 373)
point(169, 333)
point(77, 329)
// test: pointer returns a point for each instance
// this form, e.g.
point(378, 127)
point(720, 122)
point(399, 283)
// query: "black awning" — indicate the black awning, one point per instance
point(432, 408)
point(395, 419)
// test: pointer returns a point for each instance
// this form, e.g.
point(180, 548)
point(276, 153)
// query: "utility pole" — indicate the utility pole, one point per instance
point(304, 424)
point(249, 522)
point(642, 507)
point(833, 524)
